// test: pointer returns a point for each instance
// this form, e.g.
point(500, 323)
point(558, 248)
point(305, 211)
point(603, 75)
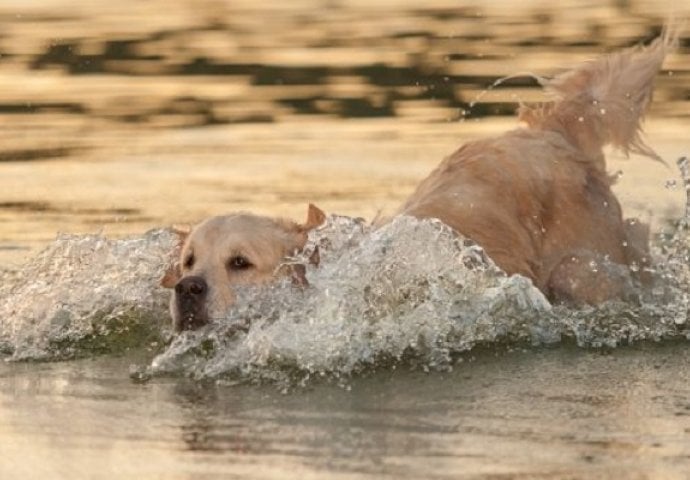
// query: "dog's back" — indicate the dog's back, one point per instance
point(536, 195)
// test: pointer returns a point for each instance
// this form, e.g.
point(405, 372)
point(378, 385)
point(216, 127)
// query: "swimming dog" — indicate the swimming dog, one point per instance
point(538, 199)
point(226, 251)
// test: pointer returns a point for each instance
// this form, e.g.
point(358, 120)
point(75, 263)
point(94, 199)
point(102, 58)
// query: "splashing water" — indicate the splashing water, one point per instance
point(411, 287)
point(84, 294)
point(502, 80)
point(410, 291)
point(684, 167)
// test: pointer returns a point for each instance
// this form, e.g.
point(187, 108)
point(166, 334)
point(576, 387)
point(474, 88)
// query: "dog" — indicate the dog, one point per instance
point(538, 199)
point(226, 251)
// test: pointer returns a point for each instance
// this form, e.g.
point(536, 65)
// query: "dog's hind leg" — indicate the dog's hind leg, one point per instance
point(585, 277)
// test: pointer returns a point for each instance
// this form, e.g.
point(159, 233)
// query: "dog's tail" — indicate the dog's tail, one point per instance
point(604, 101)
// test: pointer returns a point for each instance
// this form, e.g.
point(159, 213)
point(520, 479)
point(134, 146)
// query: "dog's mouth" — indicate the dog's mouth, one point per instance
point(188, 319)
point(189, 304)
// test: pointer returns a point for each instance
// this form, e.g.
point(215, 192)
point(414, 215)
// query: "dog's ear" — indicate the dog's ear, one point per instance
point(315, 218)
point(298, 275)
point(297, 272)
point(173, 274)
point(182, 231)
point(315, 257)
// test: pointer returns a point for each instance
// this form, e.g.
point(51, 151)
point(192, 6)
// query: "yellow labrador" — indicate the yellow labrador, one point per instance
point(537, 199)
point(230, 250)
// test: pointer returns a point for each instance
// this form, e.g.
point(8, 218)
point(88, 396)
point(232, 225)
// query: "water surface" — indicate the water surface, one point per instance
point(553, 413)
point(120, 117)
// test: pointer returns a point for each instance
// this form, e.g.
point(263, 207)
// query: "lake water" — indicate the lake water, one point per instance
point(120, 118)
point(554, 413)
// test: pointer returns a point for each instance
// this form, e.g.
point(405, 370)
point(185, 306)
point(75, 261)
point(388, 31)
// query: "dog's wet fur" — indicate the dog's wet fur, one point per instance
point(538, 199)
point(223, 252)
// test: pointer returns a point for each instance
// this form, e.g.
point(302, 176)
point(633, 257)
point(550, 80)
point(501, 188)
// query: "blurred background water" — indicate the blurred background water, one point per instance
point(117, 117)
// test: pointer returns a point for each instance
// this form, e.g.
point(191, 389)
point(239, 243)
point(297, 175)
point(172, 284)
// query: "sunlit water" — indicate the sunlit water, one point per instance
point(322, 379)
point(410, 355)
point(410, 289)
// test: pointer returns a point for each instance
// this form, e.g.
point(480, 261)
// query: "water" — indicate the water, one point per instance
point(410, 355)
point(554, 413)
point(409, 290)
point(82, 288)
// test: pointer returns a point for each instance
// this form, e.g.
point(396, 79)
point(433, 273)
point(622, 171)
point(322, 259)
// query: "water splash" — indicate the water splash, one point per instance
point(84, 294)
point(499, 82)
point(410, 288)
point(410, 291)
point(684, 167)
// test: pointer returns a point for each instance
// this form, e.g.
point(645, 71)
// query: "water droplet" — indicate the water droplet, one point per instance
point(671, 184)
point(580, 119)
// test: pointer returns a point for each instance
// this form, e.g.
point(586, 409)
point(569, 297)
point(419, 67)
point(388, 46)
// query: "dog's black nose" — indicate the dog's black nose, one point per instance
point(191, 287)
point(190, 304)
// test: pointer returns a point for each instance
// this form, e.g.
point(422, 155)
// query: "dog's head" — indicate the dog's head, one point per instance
point(226, 251)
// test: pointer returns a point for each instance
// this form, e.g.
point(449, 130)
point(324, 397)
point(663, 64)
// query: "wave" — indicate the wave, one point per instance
point(411, 291)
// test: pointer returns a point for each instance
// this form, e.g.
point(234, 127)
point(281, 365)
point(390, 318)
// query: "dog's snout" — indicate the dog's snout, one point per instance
point(189, 303)
point(191, 286)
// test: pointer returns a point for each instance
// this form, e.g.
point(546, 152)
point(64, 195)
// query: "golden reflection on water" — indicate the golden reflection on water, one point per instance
point(122, 117)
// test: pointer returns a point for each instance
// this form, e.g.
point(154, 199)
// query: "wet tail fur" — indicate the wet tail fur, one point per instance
point(604, 101)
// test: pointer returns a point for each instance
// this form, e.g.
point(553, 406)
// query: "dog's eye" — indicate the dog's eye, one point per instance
point(239, 263)
point(189, 261)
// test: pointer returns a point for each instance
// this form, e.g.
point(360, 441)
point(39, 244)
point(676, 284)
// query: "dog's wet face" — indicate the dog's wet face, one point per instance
point(224, 252)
